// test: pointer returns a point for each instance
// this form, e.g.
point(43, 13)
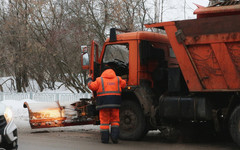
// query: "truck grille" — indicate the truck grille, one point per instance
point(3, 123)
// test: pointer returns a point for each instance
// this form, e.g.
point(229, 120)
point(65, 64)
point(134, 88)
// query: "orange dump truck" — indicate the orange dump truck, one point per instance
point(191, 76)
point(207, 50)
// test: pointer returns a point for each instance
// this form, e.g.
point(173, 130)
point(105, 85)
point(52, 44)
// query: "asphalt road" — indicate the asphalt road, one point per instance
point(83, 139)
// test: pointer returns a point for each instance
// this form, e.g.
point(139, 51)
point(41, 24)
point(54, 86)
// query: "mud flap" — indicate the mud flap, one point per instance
point(56, 114)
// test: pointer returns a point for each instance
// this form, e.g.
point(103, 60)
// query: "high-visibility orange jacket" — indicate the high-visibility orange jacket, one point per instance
point(109, 88)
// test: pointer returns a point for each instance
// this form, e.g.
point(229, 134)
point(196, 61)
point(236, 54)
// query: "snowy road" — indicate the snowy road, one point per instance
point(88, 138)
point(81, 139)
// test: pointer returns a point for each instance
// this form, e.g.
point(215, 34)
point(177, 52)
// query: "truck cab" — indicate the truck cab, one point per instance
point(138, 57)
point(147, 62)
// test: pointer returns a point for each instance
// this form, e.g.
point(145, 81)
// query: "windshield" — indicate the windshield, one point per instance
point(118, 51)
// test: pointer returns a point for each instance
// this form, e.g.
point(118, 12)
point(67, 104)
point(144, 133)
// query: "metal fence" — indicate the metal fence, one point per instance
point(44, 97)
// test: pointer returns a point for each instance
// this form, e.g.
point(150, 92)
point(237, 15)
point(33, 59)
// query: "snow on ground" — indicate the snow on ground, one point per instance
point(9, 85)
point(20, 114)
point(21, 119)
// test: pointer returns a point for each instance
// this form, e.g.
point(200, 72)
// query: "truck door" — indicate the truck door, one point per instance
point(94, 60)
point(91, 62)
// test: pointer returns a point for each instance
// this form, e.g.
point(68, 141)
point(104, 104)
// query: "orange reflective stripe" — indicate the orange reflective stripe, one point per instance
point(104, 127)
point(114, 124)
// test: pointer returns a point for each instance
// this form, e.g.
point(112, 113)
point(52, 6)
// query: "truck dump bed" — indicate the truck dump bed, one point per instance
point(208, 48)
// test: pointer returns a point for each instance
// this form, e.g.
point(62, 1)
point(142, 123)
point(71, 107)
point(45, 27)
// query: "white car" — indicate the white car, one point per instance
point(8, 130)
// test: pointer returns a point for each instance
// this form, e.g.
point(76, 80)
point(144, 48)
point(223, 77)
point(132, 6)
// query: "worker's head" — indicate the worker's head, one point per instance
point(105, 67)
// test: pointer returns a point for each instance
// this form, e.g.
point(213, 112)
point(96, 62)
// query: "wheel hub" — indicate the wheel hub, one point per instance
point(129, 120)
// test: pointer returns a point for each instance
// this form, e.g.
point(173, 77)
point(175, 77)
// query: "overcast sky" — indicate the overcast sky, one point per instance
point(200, 2)
point(173, 9)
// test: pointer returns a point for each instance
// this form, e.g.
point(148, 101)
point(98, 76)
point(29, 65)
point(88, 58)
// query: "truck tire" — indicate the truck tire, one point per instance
point(234, 125)
point(132, 121)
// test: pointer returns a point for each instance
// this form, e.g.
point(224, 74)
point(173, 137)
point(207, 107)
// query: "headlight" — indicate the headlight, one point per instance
point(8, 114)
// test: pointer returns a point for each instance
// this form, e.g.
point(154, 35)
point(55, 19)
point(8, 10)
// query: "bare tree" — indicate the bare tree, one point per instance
point(129, 15)
point(184, 8)
point(42, 40)
point(14, 33)
point(59, 35)
point(157, 10)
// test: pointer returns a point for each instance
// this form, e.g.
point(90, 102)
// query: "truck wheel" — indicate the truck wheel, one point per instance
point(132, 121)
point(234, 125)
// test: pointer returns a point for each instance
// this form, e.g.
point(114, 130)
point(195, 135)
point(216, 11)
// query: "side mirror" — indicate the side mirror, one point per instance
point(84, 58)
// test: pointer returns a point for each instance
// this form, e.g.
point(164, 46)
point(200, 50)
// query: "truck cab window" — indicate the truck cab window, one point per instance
point(117, 57)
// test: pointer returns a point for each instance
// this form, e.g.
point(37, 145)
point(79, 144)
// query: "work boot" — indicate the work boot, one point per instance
point(105, 136)
point(114, 134)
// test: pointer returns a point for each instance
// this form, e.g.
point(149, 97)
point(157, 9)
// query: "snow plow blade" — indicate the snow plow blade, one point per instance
point(56, 114)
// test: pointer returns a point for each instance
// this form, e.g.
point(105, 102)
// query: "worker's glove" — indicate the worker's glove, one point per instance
point(89, 79)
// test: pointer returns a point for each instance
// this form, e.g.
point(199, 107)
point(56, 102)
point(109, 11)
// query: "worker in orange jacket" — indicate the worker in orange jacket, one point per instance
point(109, 88)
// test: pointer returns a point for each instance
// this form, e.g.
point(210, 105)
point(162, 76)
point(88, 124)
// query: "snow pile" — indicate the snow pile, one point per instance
point(21, 119)
point(20, 114)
